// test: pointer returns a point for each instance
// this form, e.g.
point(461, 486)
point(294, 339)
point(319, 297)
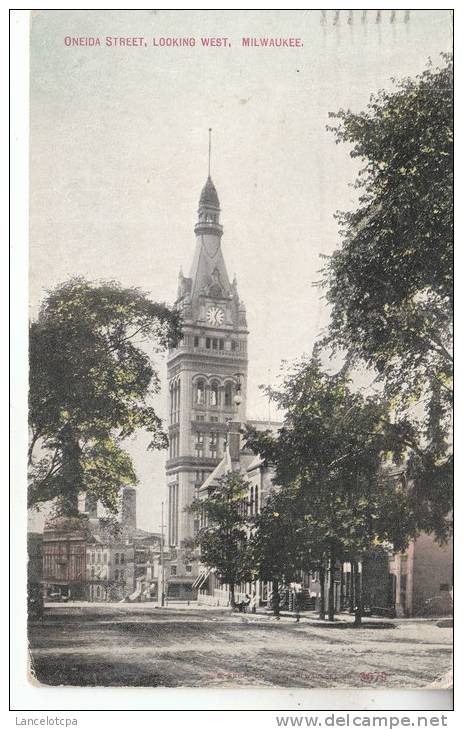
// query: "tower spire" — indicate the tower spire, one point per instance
point(209, 158)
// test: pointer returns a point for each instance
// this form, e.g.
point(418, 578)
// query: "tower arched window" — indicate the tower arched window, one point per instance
point(200, 392)
point(228, 394)
point(214, 394)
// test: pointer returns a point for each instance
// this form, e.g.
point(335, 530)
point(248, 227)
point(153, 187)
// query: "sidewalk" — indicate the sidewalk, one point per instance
point(305, 617)
point(348, 618)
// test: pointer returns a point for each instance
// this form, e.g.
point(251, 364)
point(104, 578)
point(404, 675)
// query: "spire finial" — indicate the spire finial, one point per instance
point(209, 159)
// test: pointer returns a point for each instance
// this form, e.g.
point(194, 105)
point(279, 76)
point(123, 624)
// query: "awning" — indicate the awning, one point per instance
point(201, 579)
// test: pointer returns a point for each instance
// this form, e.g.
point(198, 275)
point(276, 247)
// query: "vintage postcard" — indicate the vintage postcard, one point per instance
point(240, 397)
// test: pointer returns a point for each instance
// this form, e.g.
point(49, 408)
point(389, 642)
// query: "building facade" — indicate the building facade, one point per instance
point(207, 376)
point(64, 558)
point(110, 570)
point(88, 558)
point(422, 578)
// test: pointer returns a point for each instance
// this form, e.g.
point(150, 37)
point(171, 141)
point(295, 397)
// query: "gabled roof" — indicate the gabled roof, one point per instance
point(208, 268)
point(222, 468)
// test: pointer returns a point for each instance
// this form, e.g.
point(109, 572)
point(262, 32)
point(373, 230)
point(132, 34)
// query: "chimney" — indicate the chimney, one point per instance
point(129, 509)
point(234, 440)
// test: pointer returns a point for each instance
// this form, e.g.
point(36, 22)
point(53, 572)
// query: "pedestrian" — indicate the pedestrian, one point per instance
point(253, 602)
point(297, 601)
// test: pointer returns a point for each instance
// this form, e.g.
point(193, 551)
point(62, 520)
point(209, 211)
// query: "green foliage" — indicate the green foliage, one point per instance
point(328, 459)
point(89, 388)
point(223, 540)
point(390, 285)
point(283, 542)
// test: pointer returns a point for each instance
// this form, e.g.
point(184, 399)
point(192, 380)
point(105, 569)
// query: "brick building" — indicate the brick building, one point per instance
point(64, 557)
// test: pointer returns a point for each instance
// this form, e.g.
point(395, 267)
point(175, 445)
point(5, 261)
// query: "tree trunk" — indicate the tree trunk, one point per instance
point(275, 599)
point(72, 472)
point(352, 587)
point(331, 590)
point(321, 577)
point(232, 595)
point(358, 597)
point(342, 588)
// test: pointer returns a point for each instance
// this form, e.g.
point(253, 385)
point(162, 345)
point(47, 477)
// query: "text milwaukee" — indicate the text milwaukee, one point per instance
point(272, 42)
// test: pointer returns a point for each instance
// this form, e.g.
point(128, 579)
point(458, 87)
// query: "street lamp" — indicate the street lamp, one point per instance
point(238, 396)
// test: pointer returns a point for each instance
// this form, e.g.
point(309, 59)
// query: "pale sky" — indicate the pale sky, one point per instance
point(119, 157)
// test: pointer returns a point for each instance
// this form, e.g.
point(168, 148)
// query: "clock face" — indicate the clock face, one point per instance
point(215, 316)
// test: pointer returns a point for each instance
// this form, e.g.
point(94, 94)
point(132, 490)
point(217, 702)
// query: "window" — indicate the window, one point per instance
point(174, 443)
point(214, 343)
point(105, 557)
point(444, 587)
point(200, 418)
point(228, 394)
point(116, 574)
point(214, 419)
point(122, 558)
point(214, 397)
point(93, 572)
point(196, 342)
point(234, 345)
point(173, 570)
point(116, 559)
point(213, 444)
point(200, 392)
point(122, 575)
point(220, 344)
point(173, 514)
point(199, 444)
point(98, 557)
point(93, 557)
point(208, 343)
point(188, 568)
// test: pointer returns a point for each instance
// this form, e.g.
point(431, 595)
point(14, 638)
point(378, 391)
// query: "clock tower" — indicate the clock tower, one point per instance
point(207, 376)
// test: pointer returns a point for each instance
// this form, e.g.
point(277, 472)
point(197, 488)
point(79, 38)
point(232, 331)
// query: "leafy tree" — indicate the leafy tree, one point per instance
point(329, 452)
point(390, 284)
point(283, 542)
point(223, 540)
point(89, 388)
point(274, 544)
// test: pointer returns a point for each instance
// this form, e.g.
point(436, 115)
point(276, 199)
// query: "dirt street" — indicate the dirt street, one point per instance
point(142, 645)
